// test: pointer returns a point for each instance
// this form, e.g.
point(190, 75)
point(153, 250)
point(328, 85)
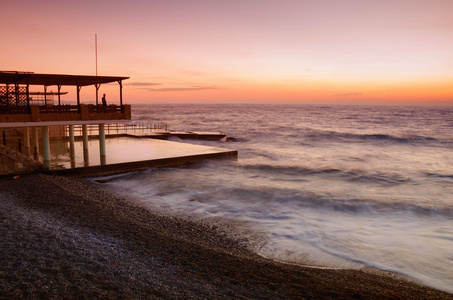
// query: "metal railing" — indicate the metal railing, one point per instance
point(154, 126)
point(121, 128)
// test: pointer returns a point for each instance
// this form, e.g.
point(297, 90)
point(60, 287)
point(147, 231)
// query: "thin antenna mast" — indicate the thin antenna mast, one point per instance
point(97, 85)
point(96, 51)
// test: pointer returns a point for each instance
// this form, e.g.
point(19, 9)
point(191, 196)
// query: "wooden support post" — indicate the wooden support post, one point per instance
point(28, 95)
point(97, 93)
point(59, 98)
point(45, 95)
point(121, 94)
point(7, 95)
point(16, 86)
point(78, 97)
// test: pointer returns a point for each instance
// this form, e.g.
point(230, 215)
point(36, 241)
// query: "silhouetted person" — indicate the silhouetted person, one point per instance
point(103, 101)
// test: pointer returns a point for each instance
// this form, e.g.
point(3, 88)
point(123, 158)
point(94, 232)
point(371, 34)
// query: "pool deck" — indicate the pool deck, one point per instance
point(128, 154)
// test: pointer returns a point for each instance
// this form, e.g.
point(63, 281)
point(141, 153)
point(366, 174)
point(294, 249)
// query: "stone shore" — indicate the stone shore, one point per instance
point(66, 238)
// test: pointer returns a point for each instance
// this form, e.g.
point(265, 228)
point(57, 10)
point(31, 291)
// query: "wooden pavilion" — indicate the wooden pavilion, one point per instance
point(16, 104)
point(19, 111)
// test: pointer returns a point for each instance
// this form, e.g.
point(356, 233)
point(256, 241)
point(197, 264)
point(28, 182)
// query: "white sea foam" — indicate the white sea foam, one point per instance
point(334, 186)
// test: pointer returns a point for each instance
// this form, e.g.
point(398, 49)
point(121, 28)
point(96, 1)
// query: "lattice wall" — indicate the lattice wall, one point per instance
point(12, 95)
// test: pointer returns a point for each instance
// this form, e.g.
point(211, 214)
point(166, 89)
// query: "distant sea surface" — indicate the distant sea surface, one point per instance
point(328, 186)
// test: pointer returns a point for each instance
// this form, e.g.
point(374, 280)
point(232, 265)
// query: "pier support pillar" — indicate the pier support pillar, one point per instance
point(34, 142)
point(46, 145)
point(102, 143)
point(26, 141)
point(71, 145)
point(85, 145)
point(71, 134)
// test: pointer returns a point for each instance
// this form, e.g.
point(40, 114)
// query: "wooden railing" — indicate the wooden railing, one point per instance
point(49, 109)
point(14, 110)
point(105, 109)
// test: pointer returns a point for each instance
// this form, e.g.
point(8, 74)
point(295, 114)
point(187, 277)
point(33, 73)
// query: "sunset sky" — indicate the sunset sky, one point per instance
point(254, 51)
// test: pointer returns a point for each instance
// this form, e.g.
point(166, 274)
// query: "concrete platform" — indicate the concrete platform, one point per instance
point(198, 135)
point(126, 154)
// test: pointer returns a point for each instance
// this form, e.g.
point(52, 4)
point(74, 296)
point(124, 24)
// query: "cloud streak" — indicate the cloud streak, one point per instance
point(181, 89)
point(142, 84)
point(348, 95)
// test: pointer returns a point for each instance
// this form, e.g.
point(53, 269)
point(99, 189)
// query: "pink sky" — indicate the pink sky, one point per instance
point(300, 51)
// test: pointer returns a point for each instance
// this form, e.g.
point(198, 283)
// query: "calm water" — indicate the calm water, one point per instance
point(333, 186)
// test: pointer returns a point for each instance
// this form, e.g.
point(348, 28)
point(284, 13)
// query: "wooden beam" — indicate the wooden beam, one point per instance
point(16, 86)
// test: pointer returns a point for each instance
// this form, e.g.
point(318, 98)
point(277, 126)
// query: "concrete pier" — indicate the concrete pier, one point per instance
point(91, 152)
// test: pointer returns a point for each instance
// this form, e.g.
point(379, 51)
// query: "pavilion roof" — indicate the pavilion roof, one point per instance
point(14, 77)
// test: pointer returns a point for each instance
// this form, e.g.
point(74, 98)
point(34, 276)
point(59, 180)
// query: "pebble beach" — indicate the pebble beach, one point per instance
point(66, 238)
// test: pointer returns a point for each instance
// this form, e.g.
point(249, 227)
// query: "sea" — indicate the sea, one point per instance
point(328, 186)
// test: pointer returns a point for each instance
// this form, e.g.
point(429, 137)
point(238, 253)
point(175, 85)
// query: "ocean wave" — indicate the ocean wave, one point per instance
point(344, 175)
point(444, 176)
point(370, 137)
point(296, 199)
point(377, 177)
point(291, 170)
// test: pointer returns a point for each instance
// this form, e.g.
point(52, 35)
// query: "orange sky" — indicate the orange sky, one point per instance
point(300, 51)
